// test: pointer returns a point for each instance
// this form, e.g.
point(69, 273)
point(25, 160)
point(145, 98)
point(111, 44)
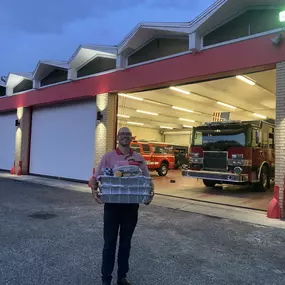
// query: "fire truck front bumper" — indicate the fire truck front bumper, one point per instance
point(223, 177)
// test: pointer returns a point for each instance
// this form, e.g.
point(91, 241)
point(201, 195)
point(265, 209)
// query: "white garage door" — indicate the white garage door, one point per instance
point(7, 140)
point(63, 141)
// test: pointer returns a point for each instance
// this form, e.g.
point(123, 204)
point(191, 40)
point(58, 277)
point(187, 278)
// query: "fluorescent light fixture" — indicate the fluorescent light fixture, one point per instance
point(182, 109)
point(148, 113)
point(135, 123)
point(156, 103)
point(259, 116)
point(164, 127)
point(130, 97)
point(246, 80)
point(123, 116)
point(282, 16)
point(186, 120)
point(179, 90)
point(188, 127)
point(226, 105)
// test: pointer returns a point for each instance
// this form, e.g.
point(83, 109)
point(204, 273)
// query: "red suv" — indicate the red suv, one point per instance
point(157, 156)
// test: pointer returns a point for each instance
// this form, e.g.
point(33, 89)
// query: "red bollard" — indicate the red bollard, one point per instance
point(12, 171)
point(89, 182)
point(274, 211)
point(20, 172)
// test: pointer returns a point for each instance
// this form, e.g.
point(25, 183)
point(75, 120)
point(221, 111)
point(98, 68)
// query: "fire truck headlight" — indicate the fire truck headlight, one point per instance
point(238, 170)
point(239, 162)
point(237, 156)
point(195, 154)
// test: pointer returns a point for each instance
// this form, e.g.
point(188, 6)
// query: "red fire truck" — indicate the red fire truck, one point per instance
point(233, 152)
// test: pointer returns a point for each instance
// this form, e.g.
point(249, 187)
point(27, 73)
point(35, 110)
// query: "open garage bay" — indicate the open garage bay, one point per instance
point(162, 121)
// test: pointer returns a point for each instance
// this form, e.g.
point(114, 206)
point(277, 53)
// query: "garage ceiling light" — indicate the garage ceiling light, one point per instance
point(245, 79)
point(188, 127)
point(182, 109)
point(148, 113)
point(226, 105)
point(135, 123)
point(259, 116)
point(123, 116)
point(179, 90)
point(164, 127)
point(130, 97)
point(186, 120)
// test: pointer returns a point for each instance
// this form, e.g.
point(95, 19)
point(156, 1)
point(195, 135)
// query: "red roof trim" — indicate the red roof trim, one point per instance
point(245, 56)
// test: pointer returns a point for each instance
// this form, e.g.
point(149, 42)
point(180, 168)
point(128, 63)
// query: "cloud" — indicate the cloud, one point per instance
point(53, 32)
point(51, 16)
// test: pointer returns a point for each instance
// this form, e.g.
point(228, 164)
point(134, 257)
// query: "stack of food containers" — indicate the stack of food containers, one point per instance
point(125, 185)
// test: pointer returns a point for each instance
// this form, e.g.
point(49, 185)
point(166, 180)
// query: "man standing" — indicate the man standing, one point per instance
point(118, 218)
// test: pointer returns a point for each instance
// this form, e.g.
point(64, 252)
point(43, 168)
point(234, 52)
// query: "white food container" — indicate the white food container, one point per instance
point(125, 190)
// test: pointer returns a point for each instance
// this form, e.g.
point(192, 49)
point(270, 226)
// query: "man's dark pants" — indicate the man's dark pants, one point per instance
point(118, 219)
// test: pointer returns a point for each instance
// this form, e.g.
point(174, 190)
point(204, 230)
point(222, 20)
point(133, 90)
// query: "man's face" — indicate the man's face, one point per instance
point(124, 137)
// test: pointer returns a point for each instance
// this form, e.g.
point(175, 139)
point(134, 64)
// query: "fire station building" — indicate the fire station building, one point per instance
point(161, 80)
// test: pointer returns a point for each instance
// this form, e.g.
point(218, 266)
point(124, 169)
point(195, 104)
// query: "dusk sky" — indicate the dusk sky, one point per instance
point(52, 30)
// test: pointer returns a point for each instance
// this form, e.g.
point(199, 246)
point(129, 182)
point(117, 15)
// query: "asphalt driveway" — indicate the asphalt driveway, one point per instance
point(54, 236)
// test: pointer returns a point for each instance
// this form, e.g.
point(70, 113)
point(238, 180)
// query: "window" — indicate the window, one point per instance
point(249, 23)
point(136, 148)
point(98, 64)
point(2, 91)
point(23, 86)
point(146, 148)
point(158, 48)
point(162, 149)
point(56, 76)
point(215, 137)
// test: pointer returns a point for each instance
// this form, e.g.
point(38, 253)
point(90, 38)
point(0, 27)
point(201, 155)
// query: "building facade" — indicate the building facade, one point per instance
point(69, 108)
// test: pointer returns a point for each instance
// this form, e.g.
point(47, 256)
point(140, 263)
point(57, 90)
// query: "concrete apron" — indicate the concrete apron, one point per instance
point(203, 208)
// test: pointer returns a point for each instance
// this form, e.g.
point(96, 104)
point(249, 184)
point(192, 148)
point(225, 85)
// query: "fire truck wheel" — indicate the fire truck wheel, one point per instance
point(264, 180)
point(209, 183)
point(163, 169)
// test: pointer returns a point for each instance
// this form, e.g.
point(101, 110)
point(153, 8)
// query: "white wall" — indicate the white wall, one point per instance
point(143, 133)
point(178, 139)
point(63, 141)
point(7, 140)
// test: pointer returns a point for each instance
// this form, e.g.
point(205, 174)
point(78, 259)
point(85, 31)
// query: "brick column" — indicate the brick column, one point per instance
point(280, 132)
point(22, 144)
point(105, 136)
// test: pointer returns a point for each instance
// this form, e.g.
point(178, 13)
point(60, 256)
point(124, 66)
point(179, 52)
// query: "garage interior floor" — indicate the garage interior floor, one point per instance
point(188, 188)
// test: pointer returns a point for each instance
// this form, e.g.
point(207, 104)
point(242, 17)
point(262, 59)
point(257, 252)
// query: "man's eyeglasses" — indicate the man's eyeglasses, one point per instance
point(125, 134)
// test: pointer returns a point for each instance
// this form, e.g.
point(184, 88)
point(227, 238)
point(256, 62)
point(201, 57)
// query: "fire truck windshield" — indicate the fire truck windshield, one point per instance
point(219, 137)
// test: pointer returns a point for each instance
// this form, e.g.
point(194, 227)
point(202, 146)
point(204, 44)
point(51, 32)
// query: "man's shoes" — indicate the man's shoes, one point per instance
point(106, 283)
point(124, 281)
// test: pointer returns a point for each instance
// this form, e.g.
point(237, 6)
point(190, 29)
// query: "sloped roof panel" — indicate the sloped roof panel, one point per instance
point(45, 66)
point(85, 53)
point(145, 31)
point(14, 78)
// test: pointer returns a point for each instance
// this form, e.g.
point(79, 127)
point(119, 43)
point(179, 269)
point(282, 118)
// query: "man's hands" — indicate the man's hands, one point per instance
point(151, 195)
point(95, 190)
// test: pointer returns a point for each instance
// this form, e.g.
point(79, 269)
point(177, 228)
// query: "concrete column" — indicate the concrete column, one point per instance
point(72, 74)
point(22, 144)
point(280, 133)
point(9, 91)
point(106, 130)
point(36, 84)
point(194, 42)
point(121, 61)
